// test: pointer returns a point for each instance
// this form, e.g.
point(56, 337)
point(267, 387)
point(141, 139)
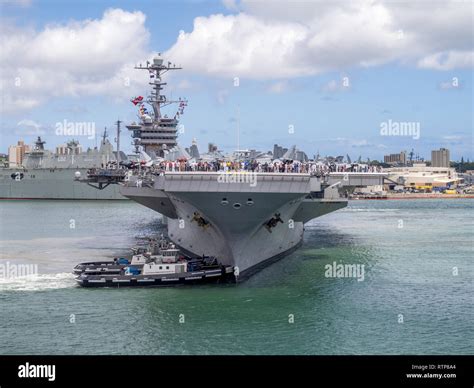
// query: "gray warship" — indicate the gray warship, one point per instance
point(46, 175)
point(246, 214)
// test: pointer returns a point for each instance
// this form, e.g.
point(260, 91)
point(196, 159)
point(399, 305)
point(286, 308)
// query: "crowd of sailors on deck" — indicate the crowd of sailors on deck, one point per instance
point(287, 166)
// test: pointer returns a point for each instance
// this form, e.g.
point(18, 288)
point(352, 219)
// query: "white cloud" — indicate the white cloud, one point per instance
point(266, 40)
point(28, 127)
point(331, 86)
point(239, 45)
point(19, 3)
point(19, 103)
point(221, 96)
point(448, 60)
point(337, 85)
point(278, 87)
point(80, 58)
point(454, 83)
point(453, 137)
point(361, 143)
point(275, 40)
point(446, 85)
point(354, 143)
point(365, 144)
point(184, 84)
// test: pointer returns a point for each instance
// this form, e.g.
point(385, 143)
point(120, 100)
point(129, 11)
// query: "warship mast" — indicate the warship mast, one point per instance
point(118, 122)
point(156, 133)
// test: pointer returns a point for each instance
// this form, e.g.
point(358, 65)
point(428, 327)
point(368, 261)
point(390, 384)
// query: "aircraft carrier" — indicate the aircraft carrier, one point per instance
point(246, 217)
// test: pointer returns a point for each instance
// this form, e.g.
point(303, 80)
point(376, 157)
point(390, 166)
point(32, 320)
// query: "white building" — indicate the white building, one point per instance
point(420, 176)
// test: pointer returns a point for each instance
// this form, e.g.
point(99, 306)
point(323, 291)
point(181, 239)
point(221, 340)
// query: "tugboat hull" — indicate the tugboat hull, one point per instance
point(219, 275)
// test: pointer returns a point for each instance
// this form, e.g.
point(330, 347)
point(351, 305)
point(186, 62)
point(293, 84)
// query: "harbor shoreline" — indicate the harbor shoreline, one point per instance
point(415, 196)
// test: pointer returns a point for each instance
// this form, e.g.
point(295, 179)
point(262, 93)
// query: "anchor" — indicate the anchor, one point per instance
point(203, 223)
point(272, 222)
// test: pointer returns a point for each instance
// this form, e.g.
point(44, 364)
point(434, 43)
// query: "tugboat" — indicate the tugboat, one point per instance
point(159, 265)
point(141, 254)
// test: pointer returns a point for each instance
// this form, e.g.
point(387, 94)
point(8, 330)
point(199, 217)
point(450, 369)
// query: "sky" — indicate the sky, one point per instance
point(327, 76)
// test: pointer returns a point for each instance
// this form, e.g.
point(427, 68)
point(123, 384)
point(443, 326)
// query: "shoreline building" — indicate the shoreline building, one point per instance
point(396, 159)
point(440, 158)
point(16, 153)
point(468, 176)
point(423, 177)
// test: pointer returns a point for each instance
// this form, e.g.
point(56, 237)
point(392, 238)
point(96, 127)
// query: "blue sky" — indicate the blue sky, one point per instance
point(335, 89)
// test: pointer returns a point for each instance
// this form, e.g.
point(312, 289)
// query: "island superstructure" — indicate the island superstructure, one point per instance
point(156, 133)
point(244, 216)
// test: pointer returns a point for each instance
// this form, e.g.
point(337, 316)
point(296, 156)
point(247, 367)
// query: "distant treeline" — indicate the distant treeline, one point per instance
point(462, 166)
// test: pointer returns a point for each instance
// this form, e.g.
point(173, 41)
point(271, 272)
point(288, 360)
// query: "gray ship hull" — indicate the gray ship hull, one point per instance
point(236, 214)
point(239, 237)
point(58, 183)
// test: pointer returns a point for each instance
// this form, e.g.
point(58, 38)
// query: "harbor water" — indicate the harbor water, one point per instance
point(415, 296)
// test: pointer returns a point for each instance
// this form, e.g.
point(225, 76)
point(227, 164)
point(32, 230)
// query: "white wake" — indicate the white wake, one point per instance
point(37, 282)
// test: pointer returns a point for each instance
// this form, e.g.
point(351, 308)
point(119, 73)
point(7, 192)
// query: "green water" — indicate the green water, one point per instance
point(289, 308)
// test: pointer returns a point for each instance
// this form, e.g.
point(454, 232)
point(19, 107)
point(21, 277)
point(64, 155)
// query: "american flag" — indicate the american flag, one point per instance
point(136, 100)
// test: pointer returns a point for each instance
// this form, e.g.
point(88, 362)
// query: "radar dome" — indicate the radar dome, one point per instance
point(158, 60)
